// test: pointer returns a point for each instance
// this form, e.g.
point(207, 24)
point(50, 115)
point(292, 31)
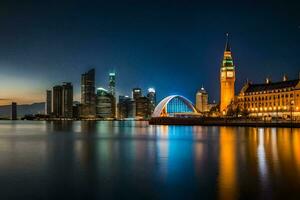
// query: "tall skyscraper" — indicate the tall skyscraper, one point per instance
point(227, 79)
point(123, 107)
point(48, 105)
point(202, 100)
point(88, 96)
point(13, 115)
point(136, 93)
point(152, 99)
point(57, 101)
point(67, 100)
point(142, 108)
point(112, 83)
point(105, 107)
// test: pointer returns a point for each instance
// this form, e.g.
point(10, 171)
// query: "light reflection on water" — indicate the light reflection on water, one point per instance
point(133, 160)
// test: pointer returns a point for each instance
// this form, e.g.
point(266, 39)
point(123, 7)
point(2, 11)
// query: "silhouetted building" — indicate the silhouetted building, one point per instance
point(57, 101)
point(105, 106)
point(152, 99)
point(88, 97)
point(131, 109)
point(136, 93)
point(76, 110)
point(142, 108)
point(48, 105)
point(67, 100)
point(202, 100)
point(124, 107)
point(112, 83)
point(13, 115)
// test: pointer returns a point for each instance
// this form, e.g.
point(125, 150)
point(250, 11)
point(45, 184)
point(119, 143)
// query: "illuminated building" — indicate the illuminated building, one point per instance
point(112, 83)
point(271, 99)
point(202, 100)
point(136, 93)
point(175, 106)
point(67, 100)
point(57, 101)
point(48, 105)
point(227, 79)
point(142, 108)
point(88, 97)
point(124, 107)
point(152, 99)
point(105, 106)
point(13, 115)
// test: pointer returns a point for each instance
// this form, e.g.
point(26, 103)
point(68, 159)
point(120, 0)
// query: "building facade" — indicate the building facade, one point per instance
point(136, 93)
point(57, 101)
point(88, 96)
point(105, 106)
point(14, 114)
point(48, 105)
point(202, 100)
point(278, 99)
point(152, 99)
point(67, 100)
point(112, 83)
point(227, 79)
point(142, 108)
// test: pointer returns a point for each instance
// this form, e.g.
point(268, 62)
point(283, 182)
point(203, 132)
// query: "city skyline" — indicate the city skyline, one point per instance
point(34, 50)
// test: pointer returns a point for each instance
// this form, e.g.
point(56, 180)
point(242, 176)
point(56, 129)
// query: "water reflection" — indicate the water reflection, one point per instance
point(134, 160)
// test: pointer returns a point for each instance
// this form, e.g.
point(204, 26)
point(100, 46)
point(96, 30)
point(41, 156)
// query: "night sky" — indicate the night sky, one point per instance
point(173, 46)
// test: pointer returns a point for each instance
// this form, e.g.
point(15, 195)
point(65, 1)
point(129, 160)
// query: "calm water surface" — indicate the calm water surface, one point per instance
point(127, 160)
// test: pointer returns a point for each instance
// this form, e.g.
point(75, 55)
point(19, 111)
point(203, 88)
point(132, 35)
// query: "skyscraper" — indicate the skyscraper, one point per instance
point(152, 99)
point(13, 115)
point(123, 107)
point(105, 106)
point(142, 108)
point(48, 105)
point(136, 93)
point(112, 83)
point(88, 96)
point(67, 100)
point(227, 79)
point(57, 101)
point(202, 100)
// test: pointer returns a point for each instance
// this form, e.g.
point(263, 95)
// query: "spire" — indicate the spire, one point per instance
point(227, 46)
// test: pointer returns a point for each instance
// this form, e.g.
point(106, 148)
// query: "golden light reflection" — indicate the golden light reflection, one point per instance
point(227, 162)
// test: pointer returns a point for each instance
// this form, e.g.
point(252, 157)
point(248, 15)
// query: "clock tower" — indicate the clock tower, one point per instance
point(227, 78)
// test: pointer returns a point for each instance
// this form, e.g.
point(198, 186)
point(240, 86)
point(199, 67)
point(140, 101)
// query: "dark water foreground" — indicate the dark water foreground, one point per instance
point(127, 160)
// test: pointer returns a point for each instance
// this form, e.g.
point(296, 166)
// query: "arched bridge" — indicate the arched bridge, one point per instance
point(174, 105)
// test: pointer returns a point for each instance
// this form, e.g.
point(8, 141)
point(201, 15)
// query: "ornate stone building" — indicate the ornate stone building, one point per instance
point(281, 99)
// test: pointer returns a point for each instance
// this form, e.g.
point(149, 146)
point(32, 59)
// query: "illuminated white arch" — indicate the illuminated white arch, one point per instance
point(161, 109)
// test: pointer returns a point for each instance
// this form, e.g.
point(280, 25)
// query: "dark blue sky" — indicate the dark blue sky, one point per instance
point(174, 46)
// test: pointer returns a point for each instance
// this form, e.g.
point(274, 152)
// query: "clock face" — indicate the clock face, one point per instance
point(230, 74)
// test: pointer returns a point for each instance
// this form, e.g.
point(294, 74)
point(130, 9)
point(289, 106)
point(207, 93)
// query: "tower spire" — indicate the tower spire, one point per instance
point(227, 46)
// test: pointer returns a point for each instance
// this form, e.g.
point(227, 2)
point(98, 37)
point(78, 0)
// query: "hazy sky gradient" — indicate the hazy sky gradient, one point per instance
point(174, 46)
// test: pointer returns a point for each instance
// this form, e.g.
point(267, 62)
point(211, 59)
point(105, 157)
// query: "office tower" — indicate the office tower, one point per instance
point(131, 109)
point(202, 100)
point(105, 106)
point(67, 100)
point(88, 97)
point(48, 105)
point(112, 83)
point(152, 99)
point(136, 93)
point(227, 79)
point(123, 107)
point(13, 115)
point(76, 110)
point(57, 101)
point(142, 108)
